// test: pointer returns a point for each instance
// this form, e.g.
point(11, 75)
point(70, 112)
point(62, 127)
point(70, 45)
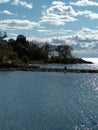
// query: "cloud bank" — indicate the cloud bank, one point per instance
point(84, 3)
point(15, 24)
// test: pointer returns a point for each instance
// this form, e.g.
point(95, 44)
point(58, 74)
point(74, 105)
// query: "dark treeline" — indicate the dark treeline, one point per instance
point(22, 51)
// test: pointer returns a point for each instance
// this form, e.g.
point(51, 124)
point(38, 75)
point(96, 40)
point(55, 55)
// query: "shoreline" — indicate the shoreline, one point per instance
point(50, 70)
point(37, 68)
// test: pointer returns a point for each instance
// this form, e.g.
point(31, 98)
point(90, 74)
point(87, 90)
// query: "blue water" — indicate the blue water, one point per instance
point(48, 101)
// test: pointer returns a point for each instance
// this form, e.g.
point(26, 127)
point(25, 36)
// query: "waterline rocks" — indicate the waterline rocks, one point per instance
point(37, 68)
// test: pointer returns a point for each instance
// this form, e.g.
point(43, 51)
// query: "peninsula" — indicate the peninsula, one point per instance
point(21, 54)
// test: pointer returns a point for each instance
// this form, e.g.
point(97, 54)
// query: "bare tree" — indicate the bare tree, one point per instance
point(3, 35)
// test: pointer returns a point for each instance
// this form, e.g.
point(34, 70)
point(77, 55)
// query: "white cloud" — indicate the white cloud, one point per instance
point(84, 42)
point(58, 3)
point(54, 32)
point(85, 12)
point(39, 40)
point(84, 3)
point(88, 13)
point(56, 19)
point(4, 1)
point(23, 3)
point(93, 15)
point(7, 12)
point(88, 32)
point(58, 14)
point(86, 39)
point(15, 24)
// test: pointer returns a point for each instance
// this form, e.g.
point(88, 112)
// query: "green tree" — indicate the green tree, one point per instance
point(5, 51)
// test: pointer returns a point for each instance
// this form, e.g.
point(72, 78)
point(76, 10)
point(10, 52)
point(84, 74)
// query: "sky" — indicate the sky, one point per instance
point(70, 22)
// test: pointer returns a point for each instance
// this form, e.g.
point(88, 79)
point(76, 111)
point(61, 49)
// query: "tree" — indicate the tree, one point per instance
point(3, 35)
point(64, 51)
point(21, 39)
point(46, 48)
point(25, 59)
point(5, 52)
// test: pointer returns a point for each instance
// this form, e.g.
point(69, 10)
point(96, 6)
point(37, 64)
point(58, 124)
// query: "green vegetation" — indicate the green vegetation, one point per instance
point(21, 51)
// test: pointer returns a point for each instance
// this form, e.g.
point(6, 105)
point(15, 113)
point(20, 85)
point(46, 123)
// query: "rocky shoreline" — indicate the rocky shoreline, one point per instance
point(37, 68)
point(50, 70)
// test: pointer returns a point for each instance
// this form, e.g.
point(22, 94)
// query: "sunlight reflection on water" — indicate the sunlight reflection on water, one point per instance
point(48, 101)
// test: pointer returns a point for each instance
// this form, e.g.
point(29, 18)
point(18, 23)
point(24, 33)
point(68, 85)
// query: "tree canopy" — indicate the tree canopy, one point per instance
point(20, 50)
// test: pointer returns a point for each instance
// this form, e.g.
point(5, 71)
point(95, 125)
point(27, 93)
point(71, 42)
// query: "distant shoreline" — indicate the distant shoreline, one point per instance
point(37, 68)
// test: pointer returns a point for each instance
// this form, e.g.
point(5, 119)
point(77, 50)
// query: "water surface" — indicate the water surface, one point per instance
point(48, 101)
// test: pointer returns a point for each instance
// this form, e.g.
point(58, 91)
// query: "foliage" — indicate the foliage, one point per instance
point(22, 51)
point(64, 51)
point(25, 59)
point(5, 52)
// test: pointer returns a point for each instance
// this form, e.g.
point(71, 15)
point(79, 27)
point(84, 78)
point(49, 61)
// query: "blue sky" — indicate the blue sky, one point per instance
point(56, 21)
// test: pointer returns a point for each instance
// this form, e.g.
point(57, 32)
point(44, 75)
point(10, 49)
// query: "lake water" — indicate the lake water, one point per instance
point(48, 101)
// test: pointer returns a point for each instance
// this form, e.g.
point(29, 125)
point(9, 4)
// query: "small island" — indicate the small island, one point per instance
point(21, 54)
